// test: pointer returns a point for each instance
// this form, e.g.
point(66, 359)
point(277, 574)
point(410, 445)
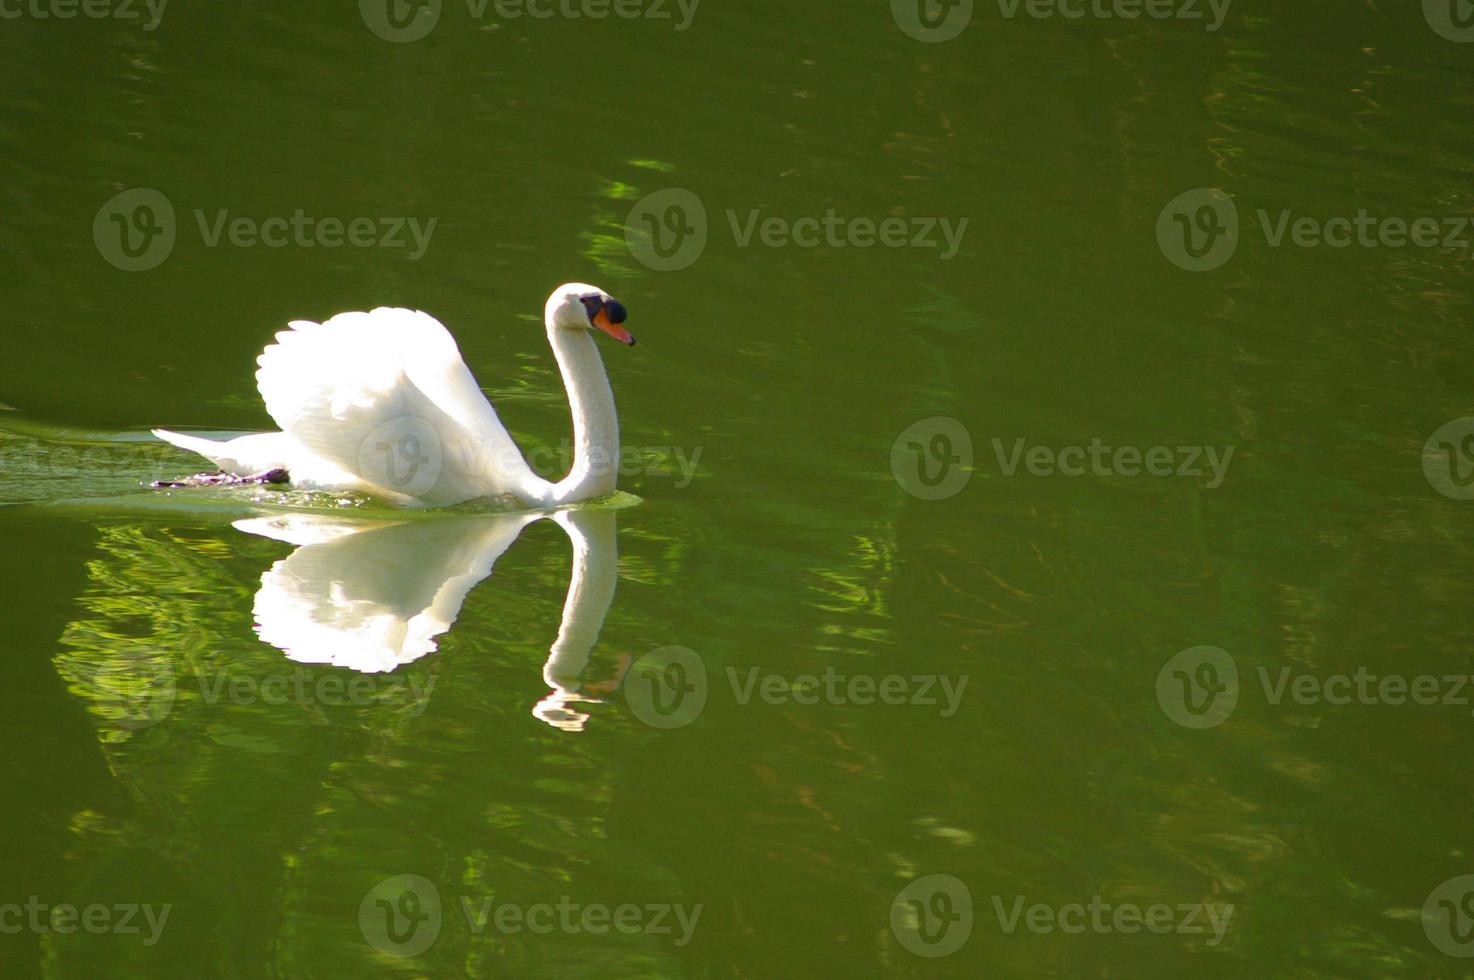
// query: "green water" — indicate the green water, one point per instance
point(709, 761)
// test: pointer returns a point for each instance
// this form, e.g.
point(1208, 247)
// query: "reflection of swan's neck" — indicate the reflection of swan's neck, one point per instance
point(590, 592)
point(595, 425)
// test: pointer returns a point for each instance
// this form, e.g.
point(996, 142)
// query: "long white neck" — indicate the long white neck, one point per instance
point(595, 425)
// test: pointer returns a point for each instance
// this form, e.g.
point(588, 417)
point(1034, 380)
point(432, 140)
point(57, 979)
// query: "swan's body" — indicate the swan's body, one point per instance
point(381, 402)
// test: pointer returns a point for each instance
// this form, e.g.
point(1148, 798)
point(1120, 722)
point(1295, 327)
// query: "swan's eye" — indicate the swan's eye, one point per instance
point(612, 308)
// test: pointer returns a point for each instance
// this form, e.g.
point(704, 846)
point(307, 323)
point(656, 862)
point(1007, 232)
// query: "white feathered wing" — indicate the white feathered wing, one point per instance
point(378, 401)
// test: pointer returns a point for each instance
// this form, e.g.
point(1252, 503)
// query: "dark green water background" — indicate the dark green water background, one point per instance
point(1061, 776)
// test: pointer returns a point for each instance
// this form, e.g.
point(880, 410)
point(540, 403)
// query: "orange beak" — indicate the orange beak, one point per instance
point(619, 333)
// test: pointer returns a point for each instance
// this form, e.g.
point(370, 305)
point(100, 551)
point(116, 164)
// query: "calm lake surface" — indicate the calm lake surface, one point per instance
point(1053, 538)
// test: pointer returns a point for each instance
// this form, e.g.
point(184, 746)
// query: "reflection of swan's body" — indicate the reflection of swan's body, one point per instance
point(374, 596)
point(381, 402)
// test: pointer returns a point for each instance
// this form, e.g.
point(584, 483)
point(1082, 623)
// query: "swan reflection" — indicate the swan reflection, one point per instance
point(375, 595)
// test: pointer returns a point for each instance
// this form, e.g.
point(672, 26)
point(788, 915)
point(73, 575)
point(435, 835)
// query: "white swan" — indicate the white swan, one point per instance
point(381, 402)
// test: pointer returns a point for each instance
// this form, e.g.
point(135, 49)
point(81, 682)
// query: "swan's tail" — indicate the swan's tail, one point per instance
point(208, 448)
point(241, 456)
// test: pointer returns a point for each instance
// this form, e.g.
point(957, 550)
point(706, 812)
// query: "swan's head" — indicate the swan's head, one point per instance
point(579, 306)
